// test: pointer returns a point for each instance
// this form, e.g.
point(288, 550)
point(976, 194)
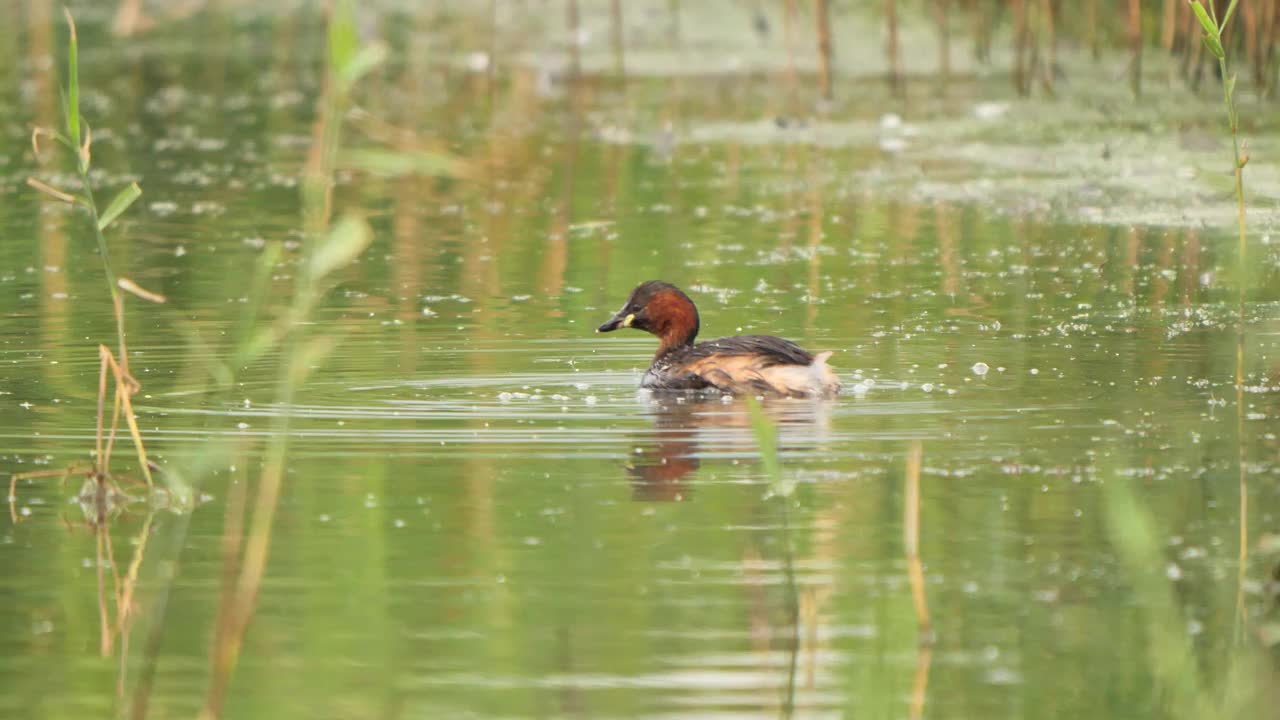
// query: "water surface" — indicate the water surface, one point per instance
point(484, 517)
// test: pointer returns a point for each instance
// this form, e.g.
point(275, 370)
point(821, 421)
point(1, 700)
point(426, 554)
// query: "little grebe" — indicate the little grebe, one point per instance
point(742, 364)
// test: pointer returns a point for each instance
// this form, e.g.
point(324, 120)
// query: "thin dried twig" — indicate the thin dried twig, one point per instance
point(130, 286)
point(61, 474)
point(52, 191)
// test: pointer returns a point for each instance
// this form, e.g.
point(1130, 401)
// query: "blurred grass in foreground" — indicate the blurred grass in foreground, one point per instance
point(1222, 679)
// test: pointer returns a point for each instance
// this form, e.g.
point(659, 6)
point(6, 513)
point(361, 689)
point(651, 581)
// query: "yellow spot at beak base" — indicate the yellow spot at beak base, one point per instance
point(626, 322)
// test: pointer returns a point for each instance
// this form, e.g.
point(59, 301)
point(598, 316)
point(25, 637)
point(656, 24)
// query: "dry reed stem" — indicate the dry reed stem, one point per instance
point(1269, 18)
point(1135, 41)
point(1180, 27)
point(86, 155)
point(789, 43)
point(895, 56)
point(617, 38)
point(911, 540)
point(822, 9)
point(125, 387)
point(1250, 16)
point(100, 466)
point(36, 134)
point(62, 476)
point(1051, 44)
point(132, 287)
point(51, 191)
point(942, 16)
point(1188, 31)
point(920, 682)
point(981, 21)
point(1194, 67)
point(573, 20)
point(1020, 80)
point(1095, 45)
point(116, 409)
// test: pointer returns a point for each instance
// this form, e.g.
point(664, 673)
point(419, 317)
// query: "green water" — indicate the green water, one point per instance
point(483, 517)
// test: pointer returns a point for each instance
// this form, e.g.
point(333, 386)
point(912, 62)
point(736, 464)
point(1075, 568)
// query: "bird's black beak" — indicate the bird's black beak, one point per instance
point(620, 320)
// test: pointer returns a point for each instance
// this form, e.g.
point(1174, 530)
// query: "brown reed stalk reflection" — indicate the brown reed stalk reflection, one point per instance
point(100, 504)
point(915, 573)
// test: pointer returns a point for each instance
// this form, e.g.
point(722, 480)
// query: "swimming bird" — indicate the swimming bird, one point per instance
point(739, 365)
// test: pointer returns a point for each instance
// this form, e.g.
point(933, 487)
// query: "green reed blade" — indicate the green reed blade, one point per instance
point(122, 201)
point(342, 37)
point(360, 64)
point(1227, 18)
point(766, 435)
point(343, 244)
point(396, 163)
point(72, 108)
point(1210, 27)
point(1215, 46)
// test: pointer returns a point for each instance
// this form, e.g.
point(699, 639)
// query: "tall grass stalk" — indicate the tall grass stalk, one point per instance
point(1213, 29)
point(891, 46)
point(942, 17)
point(822, 11)
point(1235, 686)
point(617, 38)
point(326, 250)
point(76, 137)
point(1135, 47)
point(1095, 46)
point(1021, 83)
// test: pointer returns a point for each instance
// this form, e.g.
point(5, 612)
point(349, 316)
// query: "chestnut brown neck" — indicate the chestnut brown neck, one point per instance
point(674, 319)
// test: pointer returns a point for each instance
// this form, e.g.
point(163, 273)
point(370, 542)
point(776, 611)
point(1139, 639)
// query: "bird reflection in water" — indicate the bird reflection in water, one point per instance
point(686, 428)
point(690, 430)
